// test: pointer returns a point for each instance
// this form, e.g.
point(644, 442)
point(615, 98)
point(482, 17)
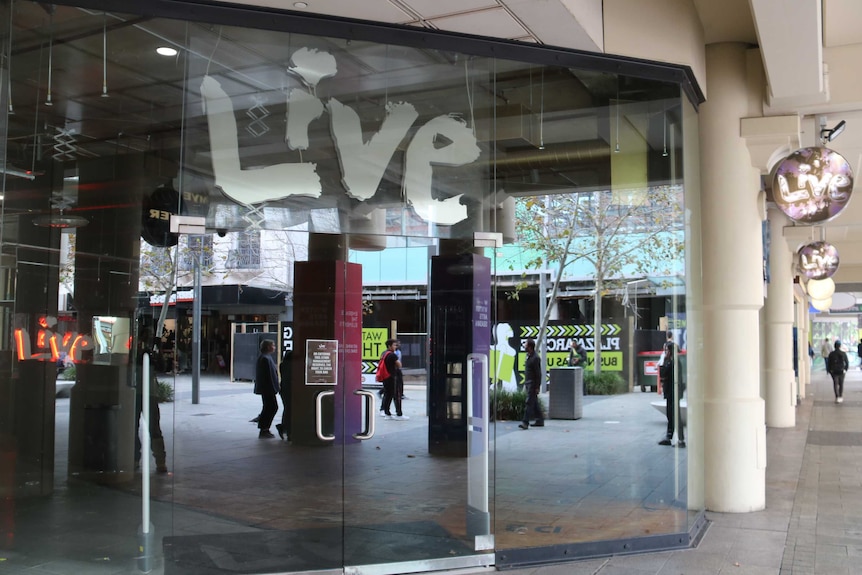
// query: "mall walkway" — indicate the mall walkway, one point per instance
point(813, 521)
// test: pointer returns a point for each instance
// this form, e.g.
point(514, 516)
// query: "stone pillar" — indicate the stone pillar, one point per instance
point(734, 419)
point(778, 331)
point(102, 406)
point(328, 306)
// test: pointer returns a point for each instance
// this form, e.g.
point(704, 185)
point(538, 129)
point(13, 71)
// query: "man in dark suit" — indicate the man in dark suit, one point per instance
point(672, 385)
point(532, 385)
point(285, 393)
point(266, 386)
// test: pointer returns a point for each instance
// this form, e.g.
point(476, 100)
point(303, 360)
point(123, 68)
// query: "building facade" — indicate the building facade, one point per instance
point(341, 138)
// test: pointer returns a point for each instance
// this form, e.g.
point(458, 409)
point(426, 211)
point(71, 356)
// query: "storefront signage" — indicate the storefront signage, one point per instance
point(286, 337)
point(812, 185)
point(507, 352)
point(817, 260)
point(321, 362)
point(50, 345)
point(179, 295)
point(373, 346)
point(158, 207)
point(445, 140)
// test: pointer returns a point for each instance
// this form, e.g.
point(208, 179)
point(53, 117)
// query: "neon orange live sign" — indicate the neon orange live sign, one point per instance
point(49, 345)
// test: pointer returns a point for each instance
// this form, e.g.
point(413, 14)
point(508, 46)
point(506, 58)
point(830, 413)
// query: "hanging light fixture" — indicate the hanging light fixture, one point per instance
point(617, 106)
point(9, 72)
point(664, 140)
point(542, 112)
point(821, 289)
point(60, 219)
point(105, 55)
point(48, 101)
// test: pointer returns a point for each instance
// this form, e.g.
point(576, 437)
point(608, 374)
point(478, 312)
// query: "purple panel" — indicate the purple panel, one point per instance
point(348, 317)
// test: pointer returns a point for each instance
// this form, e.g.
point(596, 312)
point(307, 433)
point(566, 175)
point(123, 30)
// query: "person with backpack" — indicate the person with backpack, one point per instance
point(837, 365)
point(387, 369)
point(672, 388)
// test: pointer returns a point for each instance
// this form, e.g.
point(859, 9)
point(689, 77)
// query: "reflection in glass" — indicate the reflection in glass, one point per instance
point(111, 340)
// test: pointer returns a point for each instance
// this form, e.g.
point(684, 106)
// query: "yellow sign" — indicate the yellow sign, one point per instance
point(611, 360)
point(373, 342)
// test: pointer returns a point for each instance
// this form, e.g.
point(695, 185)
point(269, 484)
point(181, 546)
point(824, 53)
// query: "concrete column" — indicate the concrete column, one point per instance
point(734, 418)
point(778, 331)
point(694, 306)
point(102, 406)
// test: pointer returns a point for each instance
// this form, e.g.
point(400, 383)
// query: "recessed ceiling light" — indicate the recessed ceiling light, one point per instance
point(166, 51)
point(300, 4)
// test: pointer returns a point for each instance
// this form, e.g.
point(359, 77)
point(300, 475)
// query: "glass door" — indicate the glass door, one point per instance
point(416, 493)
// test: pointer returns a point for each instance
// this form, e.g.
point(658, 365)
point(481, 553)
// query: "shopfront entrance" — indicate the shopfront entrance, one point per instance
point(311, 161)
point(348, 489)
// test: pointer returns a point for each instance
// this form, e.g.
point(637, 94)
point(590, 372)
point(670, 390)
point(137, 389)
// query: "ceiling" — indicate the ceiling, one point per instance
point(88, 84)
point(83, 119)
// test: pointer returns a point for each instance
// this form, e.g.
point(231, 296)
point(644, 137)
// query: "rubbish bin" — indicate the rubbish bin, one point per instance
point(648, 370)
point(566, 396)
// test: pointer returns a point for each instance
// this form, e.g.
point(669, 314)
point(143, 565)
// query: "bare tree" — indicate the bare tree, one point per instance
point(620, 233)
point(163, 269)
point(67, 262)
point(158, 273)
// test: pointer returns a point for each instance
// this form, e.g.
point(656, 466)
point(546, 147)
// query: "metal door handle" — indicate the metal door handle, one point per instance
point(369, 415)
point(318, 419)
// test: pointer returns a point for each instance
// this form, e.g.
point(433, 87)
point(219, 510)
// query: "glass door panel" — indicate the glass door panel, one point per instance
point(416, 493)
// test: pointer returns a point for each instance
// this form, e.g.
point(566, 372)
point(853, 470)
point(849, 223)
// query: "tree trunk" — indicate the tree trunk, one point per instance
point(168, 293)
point(597, 327)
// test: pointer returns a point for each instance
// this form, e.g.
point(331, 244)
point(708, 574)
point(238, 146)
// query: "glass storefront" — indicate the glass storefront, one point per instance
point(167, 212)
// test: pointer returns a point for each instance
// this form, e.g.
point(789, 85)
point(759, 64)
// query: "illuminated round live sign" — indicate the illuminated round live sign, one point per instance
point(812, 185)
point(817, 260)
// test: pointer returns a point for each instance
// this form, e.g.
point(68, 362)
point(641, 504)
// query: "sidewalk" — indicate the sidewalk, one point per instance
point(812, 524)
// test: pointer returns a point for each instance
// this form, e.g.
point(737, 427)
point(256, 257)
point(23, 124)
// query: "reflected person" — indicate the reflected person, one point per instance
point(266, 386)
point(532, 384)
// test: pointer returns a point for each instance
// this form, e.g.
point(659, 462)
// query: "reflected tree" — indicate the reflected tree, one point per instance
point(617, 234)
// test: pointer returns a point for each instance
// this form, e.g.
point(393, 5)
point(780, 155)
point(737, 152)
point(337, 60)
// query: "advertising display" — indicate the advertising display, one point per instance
point(507, 353)
point(812, 185)
point(817, 260)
